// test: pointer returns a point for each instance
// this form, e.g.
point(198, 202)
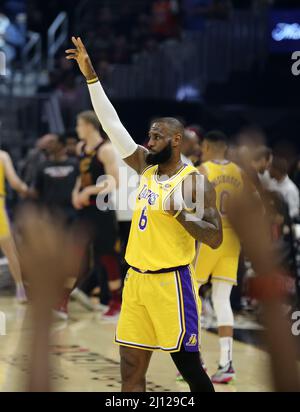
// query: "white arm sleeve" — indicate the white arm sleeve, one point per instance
point(110, 121)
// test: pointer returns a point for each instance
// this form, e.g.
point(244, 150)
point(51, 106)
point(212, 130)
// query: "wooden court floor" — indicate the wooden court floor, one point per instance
point(85, 359)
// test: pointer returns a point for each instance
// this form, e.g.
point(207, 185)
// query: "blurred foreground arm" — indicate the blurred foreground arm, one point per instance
point(48, 256)
point(250, 223)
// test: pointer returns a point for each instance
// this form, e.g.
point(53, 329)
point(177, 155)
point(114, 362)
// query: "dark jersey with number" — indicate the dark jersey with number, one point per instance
point(55, 182)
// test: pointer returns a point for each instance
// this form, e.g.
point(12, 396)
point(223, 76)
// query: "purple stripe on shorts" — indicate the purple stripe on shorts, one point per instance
point(190, 340)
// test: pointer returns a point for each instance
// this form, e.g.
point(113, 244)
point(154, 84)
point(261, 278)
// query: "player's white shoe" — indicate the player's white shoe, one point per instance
point(83, 299)
point(61, 310)
point(60, 315)
point(224, 374)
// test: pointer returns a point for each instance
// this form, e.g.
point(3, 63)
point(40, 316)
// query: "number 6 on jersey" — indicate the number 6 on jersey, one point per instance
point(143, 219)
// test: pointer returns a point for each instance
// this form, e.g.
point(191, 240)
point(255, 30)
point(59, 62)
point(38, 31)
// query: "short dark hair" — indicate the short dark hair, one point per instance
point(280, 164)
point(175, 125)
point(71, 134)
point(216, 136)
point(262, 152)
point(61, 138)
point(89, 116)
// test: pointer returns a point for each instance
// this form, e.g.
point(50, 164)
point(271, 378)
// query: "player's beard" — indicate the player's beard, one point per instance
point(161, 157)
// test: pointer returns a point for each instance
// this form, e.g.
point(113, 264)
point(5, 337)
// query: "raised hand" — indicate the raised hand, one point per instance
point(82, 58)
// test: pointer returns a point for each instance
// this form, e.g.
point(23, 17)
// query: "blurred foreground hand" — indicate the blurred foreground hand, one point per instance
point(48, 256)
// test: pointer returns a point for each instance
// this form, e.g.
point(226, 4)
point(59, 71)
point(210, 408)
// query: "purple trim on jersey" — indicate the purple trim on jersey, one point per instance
point(191, 338)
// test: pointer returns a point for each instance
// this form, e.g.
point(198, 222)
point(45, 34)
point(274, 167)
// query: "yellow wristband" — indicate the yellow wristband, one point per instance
point(92, 81)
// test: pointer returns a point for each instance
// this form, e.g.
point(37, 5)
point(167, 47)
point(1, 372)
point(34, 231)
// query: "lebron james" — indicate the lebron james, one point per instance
point(161, 308)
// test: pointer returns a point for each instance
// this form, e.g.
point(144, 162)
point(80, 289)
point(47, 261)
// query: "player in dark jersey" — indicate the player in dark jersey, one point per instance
point(97, 158)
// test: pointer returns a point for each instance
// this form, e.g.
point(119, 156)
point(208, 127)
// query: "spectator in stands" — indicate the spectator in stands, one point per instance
point(283, 184)
point(121, 52)
point(71, 97)
point(12, 35)
point(165, 21)
point(140, 33)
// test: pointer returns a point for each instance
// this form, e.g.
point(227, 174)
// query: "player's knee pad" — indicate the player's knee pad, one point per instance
point(221, 301)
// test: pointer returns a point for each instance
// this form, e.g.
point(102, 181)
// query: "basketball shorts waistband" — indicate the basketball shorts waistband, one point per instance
point(165, 270)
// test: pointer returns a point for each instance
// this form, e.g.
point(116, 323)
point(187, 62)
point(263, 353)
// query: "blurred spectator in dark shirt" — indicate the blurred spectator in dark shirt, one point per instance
point(34, 158)
point(56, 178)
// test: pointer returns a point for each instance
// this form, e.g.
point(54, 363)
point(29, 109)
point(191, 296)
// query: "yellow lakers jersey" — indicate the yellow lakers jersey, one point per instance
point(226, 177)
point(157, 240)
point(2, 179)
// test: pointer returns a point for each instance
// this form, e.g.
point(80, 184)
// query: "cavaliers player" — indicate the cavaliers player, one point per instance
point(221, 264)
point(161, 308)
point(97, 158)
point(7, 244)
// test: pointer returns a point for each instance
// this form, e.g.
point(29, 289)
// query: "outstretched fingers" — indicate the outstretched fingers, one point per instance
point(75, 42)
point(80, 44)
point(71, 54)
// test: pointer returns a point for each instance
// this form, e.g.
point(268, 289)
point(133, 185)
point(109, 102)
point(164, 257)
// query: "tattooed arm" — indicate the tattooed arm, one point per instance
point(206, 227)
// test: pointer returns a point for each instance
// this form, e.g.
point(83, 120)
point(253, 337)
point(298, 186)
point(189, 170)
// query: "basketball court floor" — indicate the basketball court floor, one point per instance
point(85, 359)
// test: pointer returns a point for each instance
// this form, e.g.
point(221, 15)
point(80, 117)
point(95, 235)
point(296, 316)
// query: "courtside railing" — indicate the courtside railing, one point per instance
point(57, 37)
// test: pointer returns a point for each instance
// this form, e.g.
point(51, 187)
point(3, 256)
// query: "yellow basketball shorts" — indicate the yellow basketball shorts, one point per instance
point(160, 311)
point(220, 264)
point(4, 222)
